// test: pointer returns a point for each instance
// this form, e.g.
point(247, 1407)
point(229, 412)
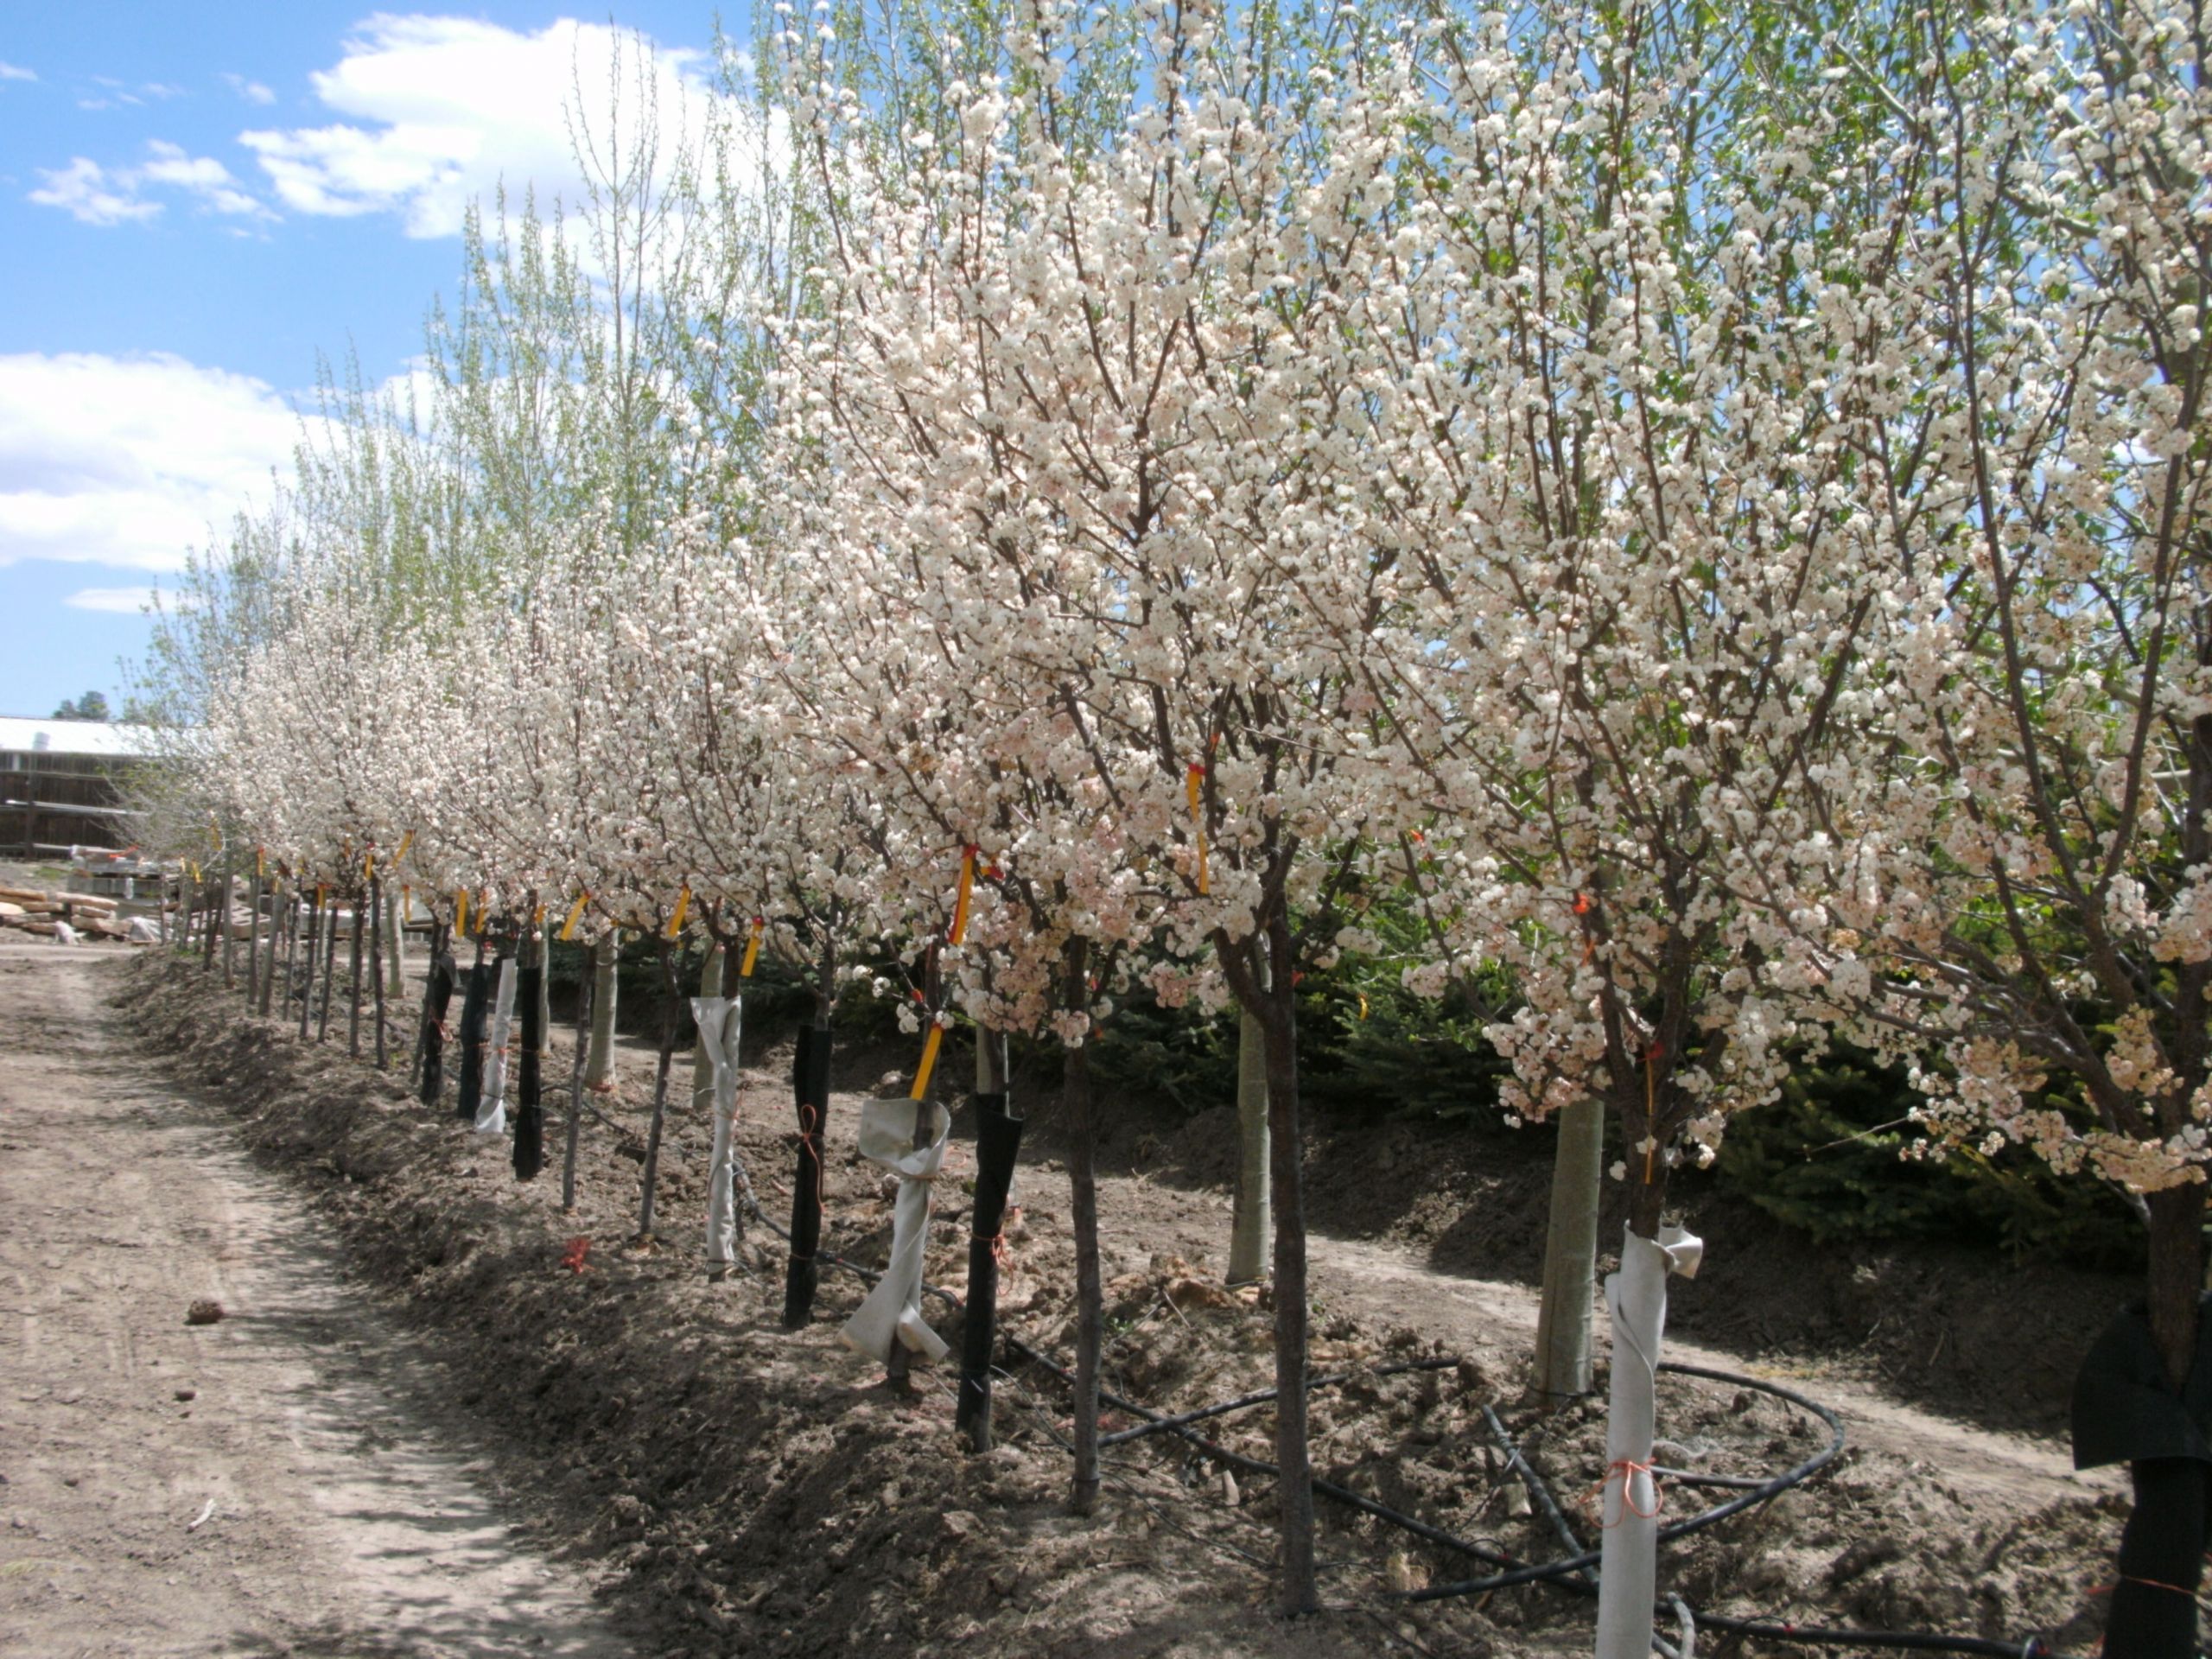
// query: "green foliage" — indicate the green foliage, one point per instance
point(1828, 1158)
point(91, 706)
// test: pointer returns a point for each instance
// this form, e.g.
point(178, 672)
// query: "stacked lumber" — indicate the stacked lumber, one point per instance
point(36, 910)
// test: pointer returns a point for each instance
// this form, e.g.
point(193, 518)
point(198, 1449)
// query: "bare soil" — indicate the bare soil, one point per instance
point(280, 1481)
point(757, 1492)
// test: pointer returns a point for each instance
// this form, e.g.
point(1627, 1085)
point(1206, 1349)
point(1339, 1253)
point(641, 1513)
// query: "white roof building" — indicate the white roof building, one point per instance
point(84, 737)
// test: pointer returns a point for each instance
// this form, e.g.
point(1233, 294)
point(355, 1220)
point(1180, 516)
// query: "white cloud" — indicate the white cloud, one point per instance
point(444, 109)
point(16, 71)
point(251, 91)
point(131, 461)
point(124, 602)
point(85, 190)
point(95, 196)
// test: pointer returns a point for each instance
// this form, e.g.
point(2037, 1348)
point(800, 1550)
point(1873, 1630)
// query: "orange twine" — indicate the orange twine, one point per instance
point(1627, 1468)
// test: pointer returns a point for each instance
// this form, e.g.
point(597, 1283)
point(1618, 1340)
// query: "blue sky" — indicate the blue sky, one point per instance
point(195, 200)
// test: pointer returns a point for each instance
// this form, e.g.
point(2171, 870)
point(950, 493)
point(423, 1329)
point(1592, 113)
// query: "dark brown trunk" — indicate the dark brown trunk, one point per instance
point(1285, 1174)
point(1646, 1171)
point(2177, 1275)
point(668, 1023)
point(1090, 1311)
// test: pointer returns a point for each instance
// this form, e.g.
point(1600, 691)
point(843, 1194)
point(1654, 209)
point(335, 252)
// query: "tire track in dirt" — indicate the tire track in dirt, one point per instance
point(345, 1519)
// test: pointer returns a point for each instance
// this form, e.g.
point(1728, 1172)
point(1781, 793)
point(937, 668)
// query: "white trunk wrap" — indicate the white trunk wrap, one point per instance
point(721, 1021)
point(892, 1311)
point(492, 1105)
point(1636, 1300)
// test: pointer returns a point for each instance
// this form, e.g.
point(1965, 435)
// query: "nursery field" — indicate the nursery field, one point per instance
point(441, 1416)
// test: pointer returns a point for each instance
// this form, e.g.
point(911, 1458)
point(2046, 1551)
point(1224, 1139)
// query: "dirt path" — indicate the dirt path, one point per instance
point(345, 1517)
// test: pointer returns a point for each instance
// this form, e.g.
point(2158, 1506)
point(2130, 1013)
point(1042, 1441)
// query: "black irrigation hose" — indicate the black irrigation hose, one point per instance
point(1535, 1482)
point(1336, 1379)
point(1570, 1573)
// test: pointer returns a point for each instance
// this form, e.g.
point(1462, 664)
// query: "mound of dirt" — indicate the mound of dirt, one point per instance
point(1971, 1332)
point(766, 1495)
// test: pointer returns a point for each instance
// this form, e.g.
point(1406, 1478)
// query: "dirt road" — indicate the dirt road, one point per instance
point(279, 1483)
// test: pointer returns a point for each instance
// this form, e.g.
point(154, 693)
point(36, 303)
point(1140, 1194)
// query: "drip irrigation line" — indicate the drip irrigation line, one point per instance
point(1336, 1379)
point(1571, 1572)
point(1515, 1463)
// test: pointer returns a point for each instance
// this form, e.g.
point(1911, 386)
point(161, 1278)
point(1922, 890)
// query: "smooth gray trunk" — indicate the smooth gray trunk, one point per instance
point(1563, 1328)
point(598, 1062)
point(1252, 1226)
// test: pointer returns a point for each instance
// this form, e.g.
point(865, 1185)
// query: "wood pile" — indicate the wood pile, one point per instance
point(35, 910)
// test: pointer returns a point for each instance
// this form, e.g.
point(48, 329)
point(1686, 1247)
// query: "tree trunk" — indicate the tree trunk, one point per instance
point(353, 989)
point(1295, 1484)
point(431, 1031)
point(207, 926)
point(395, 933)
point(811, 1097)
point(898, 1364)
point(253, 943)
point(376, 959)
point(306, 988)
point(329, 978)
point(2177, 1275)
point(998, 1145)
point(1090, 1313)
point(491, 1109)
point(722, 1033)
point(670, 990)
point(475, 1012)
point(702, 1064)
point(598, 1065)
point(529, 1113)
point(1570, 1253)
point(280, 913)
point(584, 991)
point(1254, 1221)
point(230, 933)
point(1636, 1306)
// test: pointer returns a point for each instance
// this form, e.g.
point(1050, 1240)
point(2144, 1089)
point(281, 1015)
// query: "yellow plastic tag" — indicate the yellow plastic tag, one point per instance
point(575, 914)
point(460, 914)
point(406, 841)
point(929, 1063)
point(967, 891)
point(260, 864)
point(195, 874)
point(751, 951)
point(368, 867)
point(320, 890)
point(682, 908)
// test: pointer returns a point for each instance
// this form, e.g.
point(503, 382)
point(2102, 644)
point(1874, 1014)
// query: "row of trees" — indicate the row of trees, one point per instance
point(1706, 510)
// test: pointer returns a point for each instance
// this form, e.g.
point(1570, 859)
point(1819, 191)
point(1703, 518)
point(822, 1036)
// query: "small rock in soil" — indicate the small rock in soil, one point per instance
point(187, 1394)
point(203, 1312)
